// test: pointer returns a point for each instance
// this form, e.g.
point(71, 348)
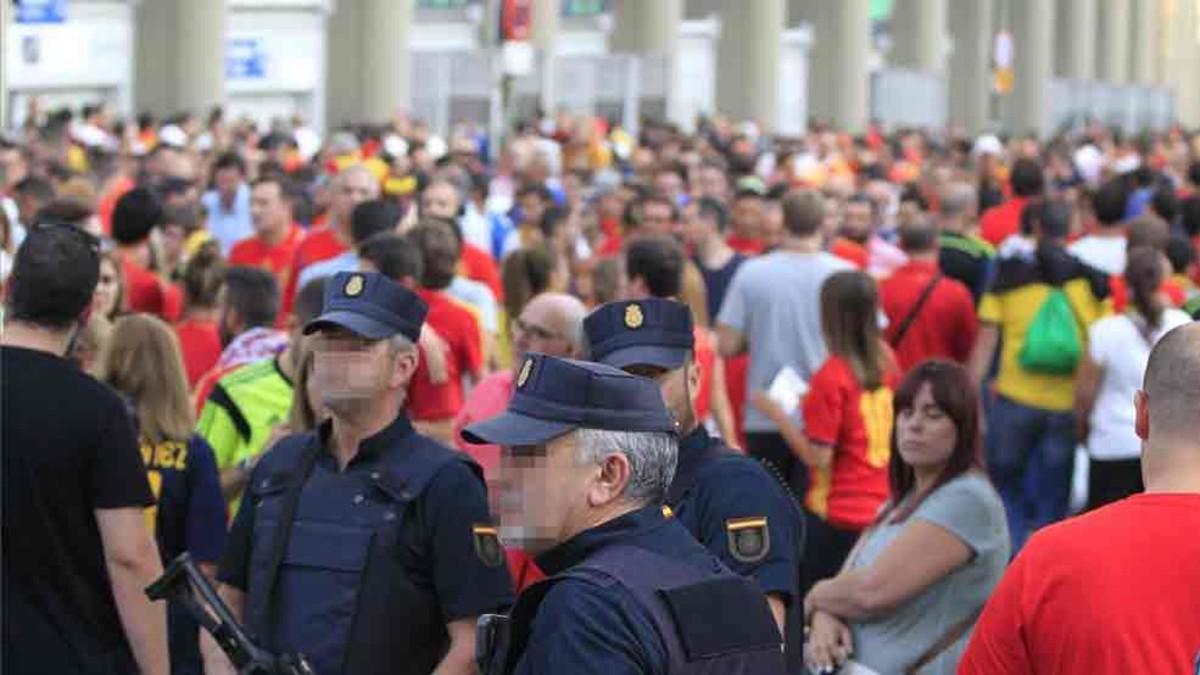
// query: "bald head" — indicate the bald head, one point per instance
point(958, 201)
point(1172, 389)
point(552, 324)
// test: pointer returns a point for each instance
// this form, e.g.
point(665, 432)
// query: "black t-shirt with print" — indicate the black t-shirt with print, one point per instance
point(68, 447)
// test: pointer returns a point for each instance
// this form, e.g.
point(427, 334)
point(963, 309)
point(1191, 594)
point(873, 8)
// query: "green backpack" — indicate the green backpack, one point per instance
point(1053, 344)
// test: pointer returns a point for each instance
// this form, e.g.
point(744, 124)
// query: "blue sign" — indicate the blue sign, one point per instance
point(245, 59)
point(41, 11)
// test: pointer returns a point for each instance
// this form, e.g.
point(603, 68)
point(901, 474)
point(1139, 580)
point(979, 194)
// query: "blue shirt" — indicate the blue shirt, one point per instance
point(346, 262)
point(229, 227)
point(727, 488)
point(583, 628)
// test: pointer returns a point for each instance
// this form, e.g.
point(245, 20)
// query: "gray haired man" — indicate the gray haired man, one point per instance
point(589, 454)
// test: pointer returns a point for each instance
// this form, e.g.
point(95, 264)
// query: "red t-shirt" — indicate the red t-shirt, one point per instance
point(200, 343)
point(706, 360)
point(858, 424)
point(736, 370)
point(1120, 292)
point(320, 244)
point(460, 329)
point(946, 324)
point(477, 265)
point(851, 251)
point(1111, 592)
point(145, 292)
point(1000, 222)
point(746, 246)
point(277, 259)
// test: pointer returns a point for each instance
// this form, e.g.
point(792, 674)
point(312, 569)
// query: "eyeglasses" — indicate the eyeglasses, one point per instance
point(521, 327)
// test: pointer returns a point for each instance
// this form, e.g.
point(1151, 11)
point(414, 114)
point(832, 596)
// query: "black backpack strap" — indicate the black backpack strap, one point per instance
point(283, 529)
point(909, 318)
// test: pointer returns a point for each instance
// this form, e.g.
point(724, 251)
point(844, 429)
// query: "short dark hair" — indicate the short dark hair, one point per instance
point(440, 250)
point(1193, 172)
point(712, 209)
point(287, 190)
point(1027, 178)
point(551, 219)
point(394, 256)
point(1191, 215)
point(803, 212)
point(230, 160)
point(374, 217)
point(186, 216)
point(1165, 203)
point(310, 300)
point(635, 210)
point(135, 215)
point(54, 275)
point(1046, 219)
point(918, 235)
point(253, 293)
point(34, 187)
point(658, 261)
point(1181, 253)
point(536, 189)
point(1110, 201)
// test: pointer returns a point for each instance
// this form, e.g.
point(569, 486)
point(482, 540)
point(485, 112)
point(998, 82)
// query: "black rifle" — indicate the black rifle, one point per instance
point(178, 583)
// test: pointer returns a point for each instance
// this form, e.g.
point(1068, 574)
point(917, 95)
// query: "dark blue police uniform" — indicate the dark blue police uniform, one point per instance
point(729, 502)
point(360, 569)
point(636, 594)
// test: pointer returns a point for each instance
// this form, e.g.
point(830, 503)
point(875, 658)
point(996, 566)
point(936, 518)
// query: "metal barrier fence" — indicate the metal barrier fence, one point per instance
point(1073, 103)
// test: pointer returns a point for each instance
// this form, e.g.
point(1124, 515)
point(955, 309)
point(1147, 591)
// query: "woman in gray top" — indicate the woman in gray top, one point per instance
point(911, 589)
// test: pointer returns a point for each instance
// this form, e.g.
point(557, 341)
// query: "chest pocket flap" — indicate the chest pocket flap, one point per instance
point(707, 628)
point(328, 546)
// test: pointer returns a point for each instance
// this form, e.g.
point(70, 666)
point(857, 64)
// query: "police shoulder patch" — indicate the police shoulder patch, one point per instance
point(748, 538)
point(487, 545)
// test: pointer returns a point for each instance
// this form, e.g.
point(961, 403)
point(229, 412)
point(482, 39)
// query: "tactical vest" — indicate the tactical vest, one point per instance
point(349, 584)
point(711, 621)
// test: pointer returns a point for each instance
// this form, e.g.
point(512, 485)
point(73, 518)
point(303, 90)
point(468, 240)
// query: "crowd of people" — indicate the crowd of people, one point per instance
point(859, 371)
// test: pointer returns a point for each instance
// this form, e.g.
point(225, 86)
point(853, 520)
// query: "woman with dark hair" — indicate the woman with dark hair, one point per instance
point(1118, 350)
point(913, 586)
point(847, 423)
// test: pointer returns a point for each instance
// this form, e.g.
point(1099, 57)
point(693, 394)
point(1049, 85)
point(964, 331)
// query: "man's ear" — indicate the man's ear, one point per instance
point(1141, 422)
point(610, 484)
point(404, 366)
point(692, 372)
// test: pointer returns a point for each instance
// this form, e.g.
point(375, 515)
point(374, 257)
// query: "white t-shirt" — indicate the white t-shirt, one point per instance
point(1116, 344)
point(1106, 254)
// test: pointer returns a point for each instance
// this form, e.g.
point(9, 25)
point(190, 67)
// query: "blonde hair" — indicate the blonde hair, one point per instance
point(143, 361)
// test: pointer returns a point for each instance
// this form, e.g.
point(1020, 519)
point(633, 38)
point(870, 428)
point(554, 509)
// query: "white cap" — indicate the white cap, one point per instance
point(1127, 164)
point(395, 145)
point(173, 136)
point(987, 145)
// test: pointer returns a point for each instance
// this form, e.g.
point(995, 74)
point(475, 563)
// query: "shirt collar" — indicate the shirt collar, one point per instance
point(371, 448)
point(583, 545)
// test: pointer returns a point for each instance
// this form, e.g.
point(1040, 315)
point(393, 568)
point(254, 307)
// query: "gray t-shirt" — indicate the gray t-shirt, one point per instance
point(969, 508)
point(775, 301)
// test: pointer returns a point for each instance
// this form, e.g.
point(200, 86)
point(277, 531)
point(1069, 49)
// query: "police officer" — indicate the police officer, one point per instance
point(728, 501)
point(589, 454)
point(364, 545)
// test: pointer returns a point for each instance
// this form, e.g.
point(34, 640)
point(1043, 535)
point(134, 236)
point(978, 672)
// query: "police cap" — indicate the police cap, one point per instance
point(370, 305)
point(554, 396)
point(653, 332)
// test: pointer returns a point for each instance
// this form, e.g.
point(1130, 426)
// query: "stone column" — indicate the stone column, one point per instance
point(546, 14)
point(970, 83)
point(840, 82)
point(5, 13)
point(1112, 54)
point(1145, 42)
point(919, 34)
point(386, 64)
point(1183, 60)
point(642, 27)
point(1076, 56)
point(1033, 35)
point(748, 60)
point(199, 45)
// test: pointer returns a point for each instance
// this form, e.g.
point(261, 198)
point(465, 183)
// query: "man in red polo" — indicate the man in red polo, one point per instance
point(930, 315)
point(276, 236)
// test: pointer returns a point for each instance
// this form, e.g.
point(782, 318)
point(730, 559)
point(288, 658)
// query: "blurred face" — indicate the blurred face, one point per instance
point(539, 329)
point(679, 388)
point(349, 190)
point(772, 223)
point(609, 207)
point(656, 218)
point(228, 180)
point(747, 217)
point(925, 434)
point(669, 185)
point(856, 221)
point(695, 229)
point(573, 188)
point(172, 242)
point(544, 493)
point(104, 299)
point(268, 209)
point(349, 370)
point(532, 209)
point(711, 182)
point(440, 201)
